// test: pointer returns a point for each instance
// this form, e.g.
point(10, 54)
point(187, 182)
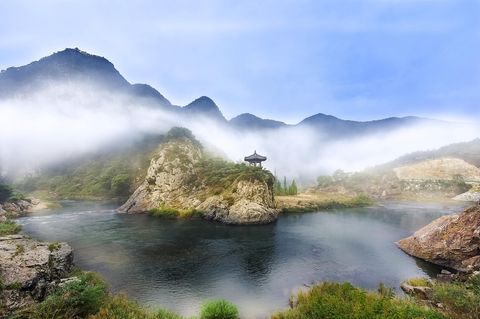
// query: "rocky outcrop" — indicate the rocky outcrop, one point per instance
point(177, 178)
point(468, 197)
point(29, 269)
point(451, 241)
point(17, 208)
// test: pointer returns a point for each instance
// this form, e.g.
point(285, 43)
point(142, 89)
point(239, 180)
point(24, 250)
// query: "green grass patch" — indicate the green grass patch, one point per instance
point(9, 227)
point(336, 301)
point(419, 282)
point(219, 309)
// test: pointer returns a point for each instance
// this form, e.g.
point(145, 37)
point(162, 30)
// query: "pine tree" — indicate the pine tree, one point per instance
point(292, 190)
point(285, 188)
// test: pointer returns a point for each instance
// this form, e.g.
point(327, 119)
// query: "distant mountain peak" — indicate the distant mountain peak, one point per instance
point(204, 106)
point(250, 121)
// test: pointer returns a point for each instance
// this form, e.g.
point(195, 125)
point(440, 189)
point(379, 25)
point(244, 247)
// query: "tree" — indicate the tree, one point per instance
point(5, 192)
point(285, 185)
point(120, 185)
point(292, 189)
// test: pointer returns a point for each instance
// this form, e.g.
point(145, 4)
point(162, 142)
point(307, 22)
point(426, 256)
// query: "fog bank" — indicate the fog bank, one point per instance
point(65, 121)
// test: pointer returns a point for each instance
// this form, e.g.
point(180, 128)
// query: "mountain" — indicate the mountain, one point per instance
point(72, 65)
point(250, 121)
point(204, 106)
point(331, 125)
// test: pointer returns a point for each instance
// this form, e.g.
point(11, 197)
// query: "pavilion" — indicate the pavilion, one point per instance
point(255, 159)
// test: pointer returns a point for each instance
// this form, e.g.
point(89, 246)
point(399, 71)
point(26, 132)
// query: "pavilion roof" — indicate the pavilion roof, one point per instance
point(255, 157)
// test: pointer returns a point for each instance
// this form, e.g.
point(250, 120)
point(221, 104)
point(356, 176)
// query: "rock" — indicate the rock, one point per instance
point(451, 241)
point(14, 209)
point(29, 267)
point(468, 197)
point(420, 292)
point(174, 179)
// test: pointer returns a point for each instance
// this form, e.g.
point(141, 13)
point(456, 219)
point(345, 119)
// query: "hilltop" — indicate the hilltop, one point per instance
point(183, 179)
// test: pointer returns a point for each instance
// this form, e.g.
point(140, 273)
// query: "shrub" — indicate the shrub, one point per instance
point(335, 300)
point(9, 227)
point(219, 309)
point(120, 185)
point(5, 192)
point(54, 246)
point(77, 299)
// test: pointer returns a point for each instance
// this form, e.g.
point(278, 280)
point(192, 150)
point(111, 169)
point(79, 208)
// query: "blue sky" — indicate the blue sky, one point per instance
point(357, 59)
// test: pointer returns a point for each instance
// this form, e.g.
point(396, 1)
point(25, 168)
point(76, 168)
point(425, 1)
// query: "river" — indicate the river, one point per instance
point(178, 264)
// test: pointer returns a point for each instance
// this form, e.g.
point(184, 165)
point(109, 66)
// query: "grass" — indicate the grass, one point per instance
point(219, 309)
point(460, 300)
point(120, 307)
point(419, 282)
point(342, 301)
point(9, 227)
point(304, 203)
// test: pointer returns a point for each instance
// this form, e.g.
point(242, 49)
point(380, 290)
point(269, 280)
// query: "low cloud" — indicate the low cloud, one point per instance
point(66, 121)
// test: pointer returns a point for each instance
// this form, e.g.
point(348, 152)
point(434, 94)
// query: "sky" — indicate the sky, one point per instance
point(355, 59)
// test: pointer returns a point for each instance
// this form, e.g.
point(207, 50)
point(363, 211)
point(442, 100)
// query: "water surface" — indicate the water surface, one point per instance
point(177, 264)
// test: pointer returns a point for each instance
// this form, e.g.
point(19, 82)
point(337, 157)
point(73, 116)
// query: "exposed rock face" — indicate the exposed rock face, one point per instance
point(172, 180)
point(15, 208)
point(29, 269)
point(450, 241)
point(439, 169)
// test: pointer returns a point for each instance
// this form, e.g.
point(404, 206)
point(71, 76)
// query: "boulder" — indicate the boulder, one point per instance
point(28, 268)
point(451, 241)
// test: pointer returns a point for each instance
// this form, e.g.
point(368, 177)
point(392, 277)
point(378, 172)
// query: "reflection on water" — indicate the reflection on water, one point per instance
point(178, 264)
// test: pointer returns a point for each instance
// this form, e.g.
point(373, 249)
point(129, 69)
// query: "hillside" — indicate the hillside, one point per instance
point(439, 169)
point(467, 151)
point(111, 173)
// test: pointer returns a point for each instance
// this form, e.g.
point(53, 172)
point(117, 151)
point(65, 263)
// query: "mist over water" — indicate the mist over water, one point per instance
point(63, 121)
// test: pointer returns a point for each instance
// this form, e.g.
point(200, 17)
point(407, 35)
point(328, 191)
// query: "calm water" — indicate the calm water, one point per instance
point(178, 264)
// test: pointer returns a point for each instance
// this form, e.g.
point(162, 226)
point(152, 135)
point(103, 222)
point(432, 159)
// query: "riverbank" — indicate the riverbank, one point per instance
point(303, 203)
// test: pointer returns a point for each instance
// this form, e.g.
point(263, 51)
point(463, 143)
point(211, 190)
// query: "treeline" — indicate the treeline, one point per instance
point(283, 188)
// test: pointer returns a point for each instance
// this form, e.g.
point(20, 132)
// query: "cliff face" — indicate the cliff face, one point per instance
point(450, 241)
point(182, 176)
